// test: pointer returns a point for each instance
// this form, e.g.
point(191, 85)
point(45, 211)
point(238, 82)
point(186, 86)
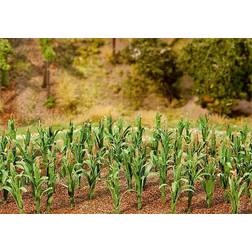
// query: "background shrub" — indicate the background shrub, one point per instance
point(135, 88)
point(221, 70)
point(154, 60)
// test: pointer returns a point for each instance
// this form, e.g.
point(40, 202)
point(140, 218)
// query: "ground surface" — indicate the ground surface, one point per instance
point(102, 203)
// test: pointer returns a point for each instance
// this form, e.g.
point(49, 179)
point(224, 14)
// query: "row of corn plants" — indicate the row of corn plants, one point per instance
point(184, 159)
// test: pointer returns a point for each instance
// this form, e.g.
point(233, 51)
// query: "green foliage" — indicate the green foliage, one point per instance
point(72, 173)
point(209, 180)
point(135, 89)
point(141, 170)
point(113, 182)
point(221, 70)
point(15, 186)
point(33, 174)
point(50, 102)
point(162, 160)
point(193, 171)
point(5, 51)
point(236, 188)
point(47, 49)
point(52, 177)
point(154, 60)
point(84, 154)
point(92, 174)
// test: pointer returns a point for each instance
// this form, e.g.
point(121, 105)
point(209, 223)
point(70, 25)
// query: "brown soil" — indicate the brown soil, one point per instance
point(102, 202)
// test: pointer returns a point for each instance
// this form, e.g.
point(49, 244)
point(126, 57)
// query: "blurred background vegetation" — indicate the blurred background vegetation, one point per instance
point(53, 81)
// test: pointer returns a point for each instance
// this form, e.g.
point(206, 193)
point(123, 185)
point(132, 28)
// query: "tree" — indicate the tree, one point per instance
point(5, 51)
point(48, 55)
point(221, 70)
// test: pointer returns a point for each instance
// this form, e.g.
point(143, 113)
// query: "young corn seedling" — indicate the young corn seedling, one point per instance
point(244, 134)
point(117, 142)
point(72, 174)
point(237, 154)
point(52, 177)
point(204, 128)
point(177, 152)
point(7, 159)
point(225, 167)
point(156, 134)
point(213, 144)
point(177, 186)
point(193, 173)
point(92, 174)
point(141, 171)
point(127, 157)
point(3, 164)
point(12, 133)
point(16, 187)
point(68, 139)
point(109, 126)
point(33, 174)
point(208, 182)
point(45, 141)
point(188, 133)
point(4, 175)
point(99, 135)
point(137, 135)
point(163, 160)
point(236, 188)
point(113, 183)
point(178, 172)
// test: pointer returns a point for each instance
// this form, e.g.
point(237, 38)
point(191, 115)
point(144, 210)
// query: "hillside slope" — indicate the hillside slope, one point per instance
point(91, 87)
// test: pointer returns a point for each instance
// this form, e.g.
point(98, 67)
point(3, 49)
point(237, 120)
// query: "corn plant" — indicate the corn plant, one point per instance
point(16, 187)
point(72, 173)
point(213, 144)
point(137, 135)
point(163, 161)
point(27, 140)
point(117, 142)
point(244, 134)
point(225, 167)
point(113, 183)
point(3, 166)
point(208, 182)
point(193, 172)
point(204, 128)
point(68, 139)
point(178, 172)
point(38, 182)
point(92, 174)
point(156, 134)
point(52, 177)
point(188, 133)
point(45, 142)
point(8, 159)
point(236, 188)
point(176, 186)
point(127, 157)
point(109, 127)
point(177, 148)
point(99, 135)
point(141, 171)
point(4, 175)
point(12, 133)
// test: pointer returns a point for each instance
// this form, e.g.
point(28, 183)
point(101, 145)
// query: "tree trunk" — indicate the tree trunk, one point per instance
point(46, 75)
point(113, 47)
point(48, 84)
